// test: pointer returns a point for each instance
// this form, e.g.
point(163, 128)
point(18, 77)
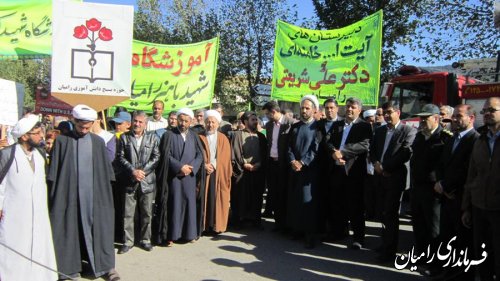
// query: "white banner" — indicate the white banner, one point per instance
point(11, 102)
point(91, 52)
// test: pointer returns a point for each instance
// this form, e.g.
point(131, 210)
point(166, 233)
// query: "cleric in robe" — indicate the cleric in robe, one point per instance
point(24, 216)
point(217, 158)
point(80, 199)
point(303, 183)
point(184, 161)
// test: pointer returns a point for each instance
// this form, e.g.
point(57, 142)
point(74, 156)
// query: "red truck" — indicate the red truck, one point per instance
point(415, 87)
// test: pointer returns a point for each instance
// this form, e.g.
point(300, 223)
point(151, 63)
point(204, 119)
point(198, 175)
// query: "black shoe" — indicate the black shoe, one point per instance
point(124, 249)
point(267, 214)
point(355, 246)
point(147, 246)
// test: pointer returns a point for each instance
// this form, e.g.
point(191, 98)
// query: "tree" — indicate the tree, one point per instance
point(455, 30)
point(398, 22)
point(29, 72)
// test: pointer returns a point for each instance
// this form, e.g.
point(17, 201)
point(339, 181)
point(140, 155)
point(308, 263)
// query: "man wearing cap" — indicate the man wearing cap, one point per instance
point(180, 149)
point(302, 155)
point(137, 156)
point(157, 121)
point(217, 159)
point(81, 201)
point(249, 150)
point(425, 202)
point(24, 217)
point(121, 123)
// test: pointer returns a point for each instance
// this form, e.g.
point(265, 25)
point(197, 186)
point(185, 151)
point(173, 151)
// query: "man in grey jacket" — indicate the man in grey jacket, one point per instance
point(138, 154)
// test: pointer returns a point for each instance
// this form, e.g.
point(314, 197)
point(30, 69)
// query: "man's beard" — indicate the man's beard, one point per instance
point(32, 144)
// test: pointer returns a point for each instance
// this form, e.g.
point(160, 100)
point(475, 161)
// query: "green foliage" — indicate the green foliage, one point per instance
point(398, 22)
point(455, 30)
point(30, 73)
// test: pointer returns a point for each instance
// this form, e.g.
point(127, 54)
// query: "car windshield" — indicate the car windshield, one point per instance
point(410, 97)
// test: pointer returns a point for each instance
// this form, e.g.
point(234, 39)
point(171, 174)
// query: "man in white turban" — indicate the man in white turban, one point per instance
point(81, 200)
point(217, 157)
point(24, 217)
point(177, 177)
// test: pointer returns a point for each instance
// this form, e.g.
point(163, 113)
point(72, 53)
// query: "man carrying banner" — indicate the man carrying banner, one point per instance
point(81, 201)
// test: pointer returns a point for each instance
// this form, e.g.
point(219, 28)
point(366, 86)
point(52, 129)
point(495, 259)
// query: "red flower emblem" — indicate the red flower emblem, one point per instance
point(93, 24)
point(105, 34)
point(80, 32)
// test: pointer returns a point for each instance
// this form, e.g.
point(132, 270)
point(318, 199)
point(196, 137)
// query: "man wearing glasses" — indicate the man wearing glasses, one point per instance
point(481, 202)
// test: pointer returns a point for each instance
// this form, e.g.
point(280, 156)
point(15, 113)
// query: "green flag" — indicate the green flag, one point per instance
point(339, 63)
point(25, 28)
point(179, 75)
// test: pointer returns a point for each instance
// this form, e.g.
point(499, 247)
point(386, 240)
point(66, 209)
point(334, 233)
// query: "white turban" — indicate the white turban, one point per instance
point(185, 111)
point(84, 112)
point(369, 113)
point(24, 125)
point(311, 98)
point(213, 113)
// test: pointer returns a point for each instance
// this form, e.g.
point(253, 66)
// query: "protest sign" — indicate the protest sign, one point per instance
point(337, 63)
point(11, 102)
point(91, 51)
point(179, 75)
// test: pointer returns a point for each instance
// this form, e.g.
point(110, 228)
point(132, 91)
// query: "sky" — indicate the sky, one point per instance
point(307, 11)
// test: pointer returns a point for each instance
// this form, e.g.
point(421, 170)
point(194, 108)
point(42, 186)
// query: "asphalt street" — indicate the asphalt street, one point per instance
point(252, 254)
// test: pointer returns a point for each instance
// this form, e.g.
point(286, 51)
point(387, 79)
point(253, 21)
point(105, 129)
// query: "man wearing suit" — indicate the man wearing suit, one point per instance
point(348, 146)
point(277, 129)
point(481, 199)
point(138, 154)
point(326, 165)
point(451, 175)
point(425, 203)
point(389, 151)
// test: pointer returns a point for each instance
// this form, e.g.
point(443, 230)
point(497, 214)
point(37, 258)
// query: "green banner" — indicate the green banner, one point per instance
point(339, 63)
point(25, 29)
point(179, 75)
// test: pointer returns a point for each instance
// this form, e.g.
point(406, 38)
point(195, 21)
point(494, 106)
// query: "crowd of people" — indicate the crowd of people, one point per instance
point(69, 191)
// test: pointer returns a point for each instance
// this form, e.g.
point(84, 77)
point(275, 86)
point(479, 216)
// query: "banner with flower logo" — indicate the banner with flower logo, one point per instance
point(91, 51)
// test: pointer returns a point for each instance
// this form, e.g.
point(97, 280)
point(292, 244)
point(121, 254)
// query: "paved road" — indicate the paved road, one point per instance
point(252, 254)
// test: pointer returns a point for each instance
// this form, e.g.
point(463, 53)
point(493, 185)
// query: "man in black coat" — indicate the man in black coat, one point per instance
point(451, 174)
point(389, 151)
point(81, 201)
point(425, 202)
point(138, 156)
point(326, 165)
point(348, 146)
point(277, 129)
